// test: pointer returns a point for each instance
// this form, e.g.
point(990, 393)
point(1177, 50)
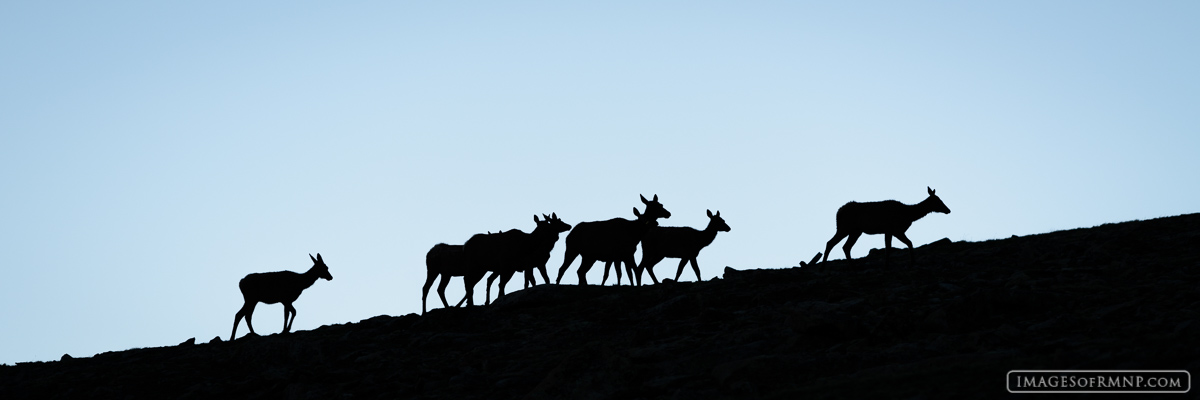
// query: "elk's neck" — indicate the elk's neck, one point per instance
point(309, 277)
point(644, 227)
point(544, 237)
point(708, 234)
point(920, 210)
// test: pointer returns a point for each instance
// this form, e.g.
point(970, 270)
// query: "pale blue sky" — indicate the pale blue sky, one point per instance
point(152, 154)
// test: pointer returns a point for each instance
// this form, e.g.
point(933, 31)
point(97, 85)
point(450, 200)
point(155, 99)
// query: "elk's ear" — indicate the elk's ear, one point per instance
point(718, 214)
point(319, 258)
point(931, 191)
point(644, 199)
point(709, 213)
point(636, 213)
point(554, 215)
point(535, 218)
point(310, 256)
point(656, 197)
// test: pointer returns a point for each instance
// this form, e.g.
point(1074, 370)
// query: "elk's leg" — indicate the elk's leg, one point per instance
point(617, 270)
point(430, 276)
point(631, 269)
point(487, 297)
point(679, 272)
point(504, 281)
point(647, 265)
point(246, 311)
point(849, 243)
point(236, 318)
point(288, 310)
point(530, 278)
point(568, 258)
point(837, 237)
point(583, 269)
point(608, 264)
point(504, 278)
point(441, 290)
point(695, 268)
point(545, 276)
point(469, 282)
point(249, 316)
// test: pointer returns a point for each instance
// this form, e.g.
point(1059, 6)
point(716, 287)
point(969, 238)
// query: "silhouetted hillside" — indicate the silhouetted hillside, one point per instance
point(1117, 296)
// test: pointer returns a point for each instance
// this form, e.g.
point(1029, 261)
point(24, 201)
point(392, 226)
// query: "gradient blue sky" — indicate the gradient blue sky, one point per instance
point(153, 153)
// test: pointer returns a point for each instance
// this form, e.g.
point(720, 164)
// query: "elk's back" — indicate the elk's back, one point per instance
point(503, 251)
point(447, 259)
point(873, 217)
point(612, 240)
point(271, 287)
point(673, 241)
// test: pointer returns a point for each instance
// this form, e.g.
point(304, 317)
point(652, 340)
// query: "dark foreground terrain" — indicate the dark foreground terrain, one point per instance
point(1117, 296)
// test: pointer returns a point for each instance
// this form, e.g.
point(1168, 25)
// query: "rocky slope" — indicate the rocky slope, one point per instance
point(1116, 296)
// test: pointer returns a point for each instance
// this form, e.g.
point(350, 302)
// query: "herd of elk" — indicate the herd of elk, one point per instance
point(509, 252)
point(613, 241)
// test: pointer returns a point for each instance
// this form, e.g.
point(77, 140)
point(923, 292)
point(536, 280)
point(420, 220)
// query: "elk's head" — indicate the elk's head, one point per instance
point(654, 209)
point(551, 223)
point(718, 223)
point(935, 202)
point(320, 267)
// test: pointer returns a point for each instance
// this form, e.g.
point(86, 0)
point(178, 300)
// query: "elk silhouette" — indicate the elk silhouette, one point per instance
point(444, 260)
point(683, 243)
point(509, 252)
point(612, 240)
point(889, 217)
point(543, 253)
point(277, 287)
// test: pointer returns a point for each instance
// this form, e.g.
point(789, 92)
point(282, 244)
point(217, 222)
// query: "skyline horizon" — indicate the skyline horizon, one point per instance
point(154, 154)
